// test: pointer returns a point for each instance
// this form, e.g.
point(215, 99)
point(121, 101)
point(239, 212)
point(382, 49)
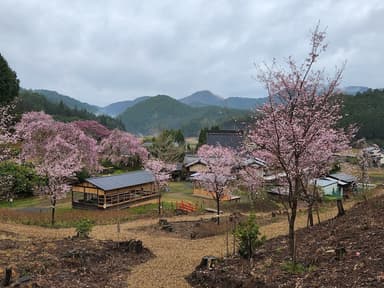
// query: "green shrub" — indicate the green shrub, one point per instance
point(297, 268)
point(248, 236)
point(84, 228)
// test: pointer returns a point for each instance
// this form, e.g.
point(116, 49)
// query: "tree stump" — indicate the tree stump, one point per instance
point(7, 276)
point(208, 262)
point(163, 221)
point(340, 252)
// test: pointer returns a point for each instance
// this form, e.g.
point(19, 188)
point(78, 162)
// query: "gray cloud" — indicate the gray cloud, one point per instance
point(105, 51)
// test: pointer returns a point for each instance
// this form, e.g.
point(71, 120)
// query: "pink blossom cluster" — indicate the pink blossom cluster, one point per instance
point(297, 130)
point(161, 171)
point(56, 149)
point(93, 129)
point(6, 119)
point(122, 148)
point(220, 164)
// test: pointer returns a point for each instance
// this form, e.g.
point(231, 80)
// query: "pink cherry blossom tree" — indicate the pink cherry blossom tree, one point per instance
point(6, 120)
point(250, 176)
point(93, 129)
point(57, 150)
point(123, 149)
point(162, 173)
point(296, 133)
point(219, 174)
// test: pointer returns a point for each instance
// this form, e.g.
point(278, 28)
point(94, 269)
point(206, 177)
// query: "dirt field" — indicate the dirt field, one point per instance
point(175, 258)
point(342, 252)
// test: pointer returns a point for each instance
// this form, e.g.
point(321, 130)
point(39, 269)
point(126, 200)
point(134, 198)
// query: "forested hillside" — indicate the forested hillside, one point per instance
point(55, 97)
point(163, 112)
point(31, 101)
point(367, 111)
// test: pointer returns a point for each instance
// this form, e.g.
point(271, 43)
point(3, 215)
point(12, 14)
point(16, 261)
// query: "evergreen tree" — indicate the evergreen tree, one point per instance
point(9, 84)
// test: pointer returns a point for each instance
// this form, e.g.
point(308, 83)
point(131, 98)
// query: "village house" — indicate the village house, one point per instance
point(329, 187)
point(226, 138)
point(193, 164)
point(116, 191)
point(374, 155)
point(346, 183)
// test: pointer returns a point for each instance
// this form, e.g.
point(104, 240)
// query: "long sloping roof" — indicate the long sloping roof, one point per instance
point(324, 182)
point(343, 177)
point(225, 138)
point(134, 178)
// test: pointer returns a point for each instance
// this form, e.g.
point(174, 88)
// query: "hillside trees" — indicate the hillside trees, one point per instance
point(9, 84)
point(29, 101)
point(168, 146)
point(218, 176)
point(56, 150)
point(17, 180)
point(202, 139)
point(123, 150)
point(366, 109)
point(296, 134)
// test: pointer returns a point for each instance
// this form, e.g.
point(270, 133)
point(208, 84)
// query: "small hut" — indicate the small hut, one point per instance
point(346, 182)
point(117, 191)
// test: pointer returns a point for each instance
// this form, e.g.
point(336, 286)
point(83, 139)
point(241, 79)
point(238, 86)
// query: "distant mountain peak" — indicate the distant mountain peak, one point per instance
point(353, 90)
point(203, 98)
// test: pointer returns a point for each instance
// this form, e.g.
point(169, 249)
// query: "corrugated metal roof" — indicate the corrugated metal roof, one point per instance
point(190, 158)
point(122, 180)
point(343, 177)
point(323, 182)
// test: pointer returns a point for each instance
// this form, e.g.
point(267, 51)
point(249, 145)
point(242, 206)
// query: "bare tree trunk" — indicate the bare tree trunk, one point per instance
point(317, 213)
point(159, 206)
point(218, 209)
point(53, 202)
point(340, 207)
point(291, 232)
point(310, 215)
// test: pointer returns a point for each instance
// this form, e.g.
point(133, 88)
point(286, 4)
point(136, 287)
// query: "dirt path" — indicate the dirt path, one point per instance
point(175, 258)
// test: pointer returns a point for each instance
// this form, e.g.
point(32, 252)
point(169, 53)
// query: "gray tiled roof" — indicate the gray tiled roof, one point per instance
point(225, 138)
point(122, 180)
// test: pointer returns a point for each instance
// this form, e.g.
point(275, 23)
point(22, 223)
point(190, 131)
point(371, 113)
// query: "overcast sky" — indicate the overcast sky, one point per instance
point(106, 51)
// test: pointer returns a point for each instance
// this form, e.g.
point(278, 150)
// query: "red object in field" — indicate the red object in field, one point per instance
point(186, 206)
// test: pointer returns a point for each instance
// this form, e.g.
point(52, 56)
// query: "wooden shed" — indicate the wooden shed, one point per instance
point(117, 191)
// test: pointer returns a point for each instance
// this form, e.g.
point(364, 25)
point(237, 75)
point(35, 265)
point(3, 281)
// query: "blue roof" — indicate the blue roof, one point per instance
point(113, 182)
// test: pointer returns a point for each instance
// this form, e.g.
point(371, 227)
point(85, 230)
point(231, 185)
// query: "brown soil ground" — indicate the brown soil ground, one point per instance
point(343, 252)
point(69, 262)
point(203, 227)
point(175, 257)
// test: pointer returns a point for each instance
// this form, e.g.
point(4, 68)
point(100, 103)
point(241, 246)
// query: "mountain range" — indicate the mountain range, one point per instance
point(198, 99)
point(202, 98)
point(150, 114)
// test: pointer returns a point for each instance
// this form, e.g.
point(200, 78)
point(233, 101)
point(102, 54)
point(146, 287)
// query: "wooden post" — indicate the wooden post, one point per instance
point(7, 276)
point(227, 238)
